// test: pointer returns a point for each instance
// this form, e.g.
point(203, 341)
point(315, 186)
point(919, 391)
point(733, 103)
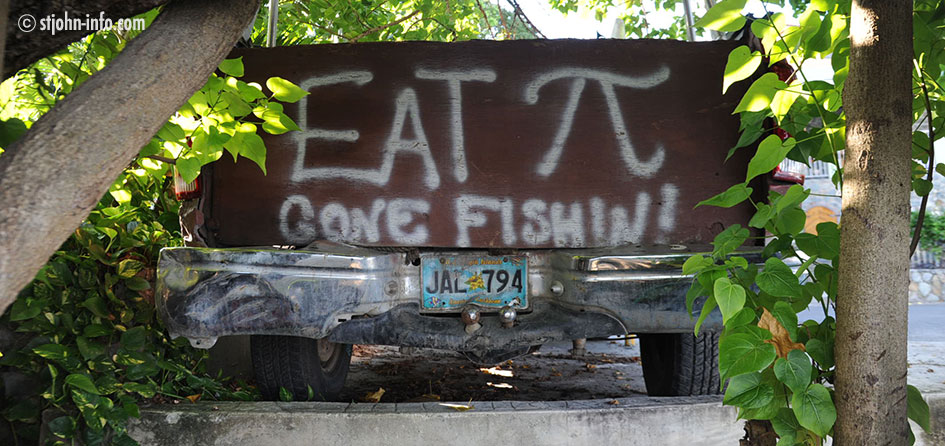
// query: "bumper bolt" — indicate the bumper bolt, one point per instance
point(507, 316)
point(557, 288)
point(471, 317)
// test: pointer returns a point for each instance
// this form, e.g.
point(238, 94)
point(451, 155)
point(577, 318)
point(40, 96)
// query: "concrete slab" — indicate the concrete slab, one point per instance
point(937, 421)
point(518, 417)
point(683, 421)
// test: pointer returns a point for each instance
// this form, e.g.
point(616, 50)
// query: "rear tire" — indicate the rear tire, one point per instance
point(680, 364)
point(299, 364)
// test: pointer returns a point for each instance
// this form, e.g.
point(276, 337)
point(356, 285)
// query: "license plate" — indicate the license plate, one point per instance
point(491, 282)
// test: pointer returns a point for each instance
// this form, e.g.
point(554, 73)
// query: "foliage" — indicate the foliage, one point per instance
point(323, 21)
point(933, 232)
point(89, 327)
point(87, 323)
point(778, 368)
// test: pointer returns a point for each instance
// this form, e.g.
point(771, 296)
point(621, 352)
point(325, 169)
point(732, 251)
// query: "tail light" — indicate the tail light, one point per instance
point(184, 190)
point(787, 177)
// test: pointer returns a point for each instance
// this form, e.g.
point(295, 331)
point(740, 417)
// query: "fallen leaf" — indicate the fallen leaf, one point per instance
point(374, 397)
point(613, 402)
point(459, 407)
point(193, 398)
point(779, 335)
point(497, 372)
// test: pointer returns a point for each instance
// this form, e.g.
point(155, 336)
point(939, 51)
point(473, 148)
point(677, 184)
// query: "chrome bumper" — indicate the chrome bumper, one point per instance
point(357, 295)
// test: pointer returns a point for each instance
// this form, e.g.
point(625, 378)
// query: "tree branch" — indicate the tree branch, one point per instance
point(59, 169)
point(917, 232)
point(24, 48)
point(520, 13)
point(162, 159)
point(383, 27)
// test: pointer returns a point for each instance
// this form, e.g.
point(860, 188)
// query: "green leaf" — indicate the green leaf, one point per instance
point(814, 409)
point(791, 221)
point(725, 16)
point(770, 153)
point(826, 244)
point(254, 149)
point(778, 280)
point(794, 196)
point(762, 216)
point(27, 308)
point(918, 409)
point(96, 330)
point(707, 308)
point(137, 284)
point(10, 131)
point(744, 316)
point(250, 92)
point(786, 426)
point(188, 168)
point(62, 427)
point(97, 306)
point(145, 390)
point(129, 267)
point(742, 62)
point(795, 371)
point(783, 99)
point(284, 394)
point(135, 338)
point(786, 316)
point(276, 122)
point(88, 349)
point(730, 298)
point(284, 90)
point(729, 240)
point(82, 382)
point(233, 67)
point(820, 352)
point(748, 391)
point(760, 93)
point(695, 290)
point(734, 195)
point(247, 143)
point(696, 263)
point(743, 353)
point(921, 186)
point(236, 105)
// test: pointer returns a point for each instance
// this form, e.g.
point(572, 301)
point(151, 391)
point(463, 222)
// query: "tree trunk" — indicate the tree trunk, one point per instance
point(55, 174)
point(872, 307)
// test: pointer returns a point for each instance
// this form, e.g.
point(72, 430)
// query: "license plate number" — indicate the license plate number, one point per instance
point(491, 282)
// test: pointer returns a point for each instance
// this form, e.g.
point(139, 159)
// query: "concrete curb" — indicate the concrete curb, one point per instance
point(937, 422)
point(635, 421)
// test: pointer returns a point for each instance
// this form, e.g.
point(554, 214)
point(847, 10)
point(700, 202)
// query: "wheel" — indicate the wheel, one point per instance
point(298, 364)
point(679, 364)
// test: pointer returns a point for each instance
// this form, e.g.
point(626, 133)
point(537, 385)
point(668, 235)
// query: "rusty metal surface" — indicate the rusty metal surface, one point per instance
point(363, 296)
point(519, 144)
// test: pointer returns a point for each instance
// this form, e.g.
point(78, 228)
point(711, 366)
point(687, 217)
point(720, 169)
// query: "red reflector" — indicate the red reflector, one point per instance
point(184, 190)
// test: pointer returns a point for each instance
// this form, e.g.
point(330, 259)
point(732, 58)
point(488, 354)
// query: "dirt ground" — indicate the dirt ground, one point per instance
point(610, 369)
